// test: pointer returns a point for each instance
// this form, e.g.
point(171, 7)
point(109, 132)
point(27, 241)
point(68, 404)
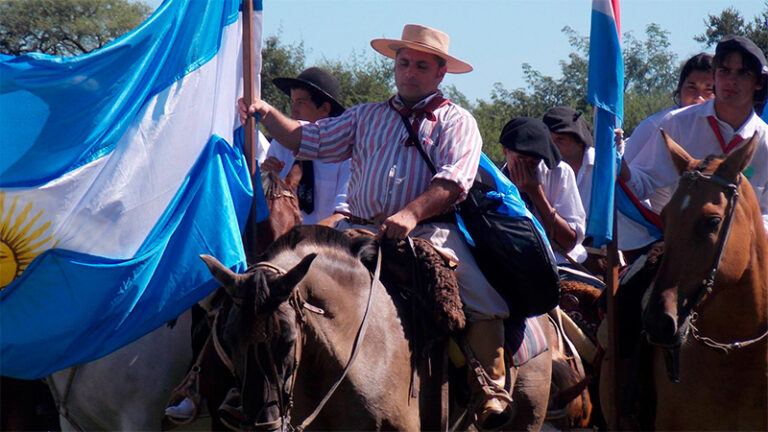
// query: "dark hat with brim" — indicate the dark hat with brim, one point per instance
point(530, 137)
point(563, 119)
point(317, 80)
point(745, 46)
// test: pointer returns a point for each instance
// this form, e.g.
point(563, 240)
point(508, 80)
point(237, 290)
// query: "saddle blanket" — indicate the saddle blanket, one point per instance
point(526, 339)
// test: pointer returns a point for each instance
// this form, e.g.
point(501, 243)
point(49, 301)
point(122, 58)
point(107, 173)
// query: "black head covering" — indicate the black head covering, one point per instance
point(315, 80)
point(563, 119)
point(530, 137)
point(745, 46)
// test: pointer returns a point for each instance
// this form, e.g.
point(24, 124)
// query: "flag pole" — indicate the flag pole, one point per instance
point(612, 286)
point(249, 129)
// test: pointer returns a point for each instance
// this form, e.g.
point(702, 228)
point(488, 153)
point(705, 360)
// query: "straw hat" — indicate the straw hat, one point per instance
point(422, 38)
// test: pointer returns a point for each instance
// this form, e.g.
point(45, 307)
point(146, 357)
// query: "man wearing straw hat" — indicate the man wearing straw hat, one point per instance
point(393, 189)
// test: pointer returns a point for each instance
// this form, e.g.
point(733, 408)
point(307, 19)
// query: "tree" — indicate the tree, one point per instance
point(730, 21)
point(279, 60)
point(66, 28)
point(362, 79)
point(650, 69)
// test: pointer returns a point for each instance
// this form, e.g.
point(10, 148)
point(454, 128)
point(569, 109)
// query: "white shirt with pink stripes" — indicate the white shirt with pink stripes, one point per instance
point(387, 175)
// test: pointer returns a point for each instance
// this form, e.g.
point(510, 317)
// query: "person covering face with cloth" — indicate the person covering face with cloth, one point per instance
point(547, 184)
point(393, 190)
point(322, 189)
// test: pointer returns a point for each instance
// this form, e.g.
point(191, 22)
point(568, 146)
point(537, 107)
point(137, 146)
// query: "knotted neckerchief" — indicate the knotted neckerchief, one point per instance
point(427, 111)
point(305, 191)
point(736, 140)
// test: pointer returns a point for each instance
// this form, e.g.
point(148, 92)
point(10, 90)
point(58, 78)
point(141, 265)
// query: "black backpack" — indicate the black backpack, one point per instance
point(510, 251)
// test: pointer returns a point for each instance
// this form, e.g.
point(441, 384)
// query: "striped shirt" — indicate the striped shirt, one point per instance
point(387, 175)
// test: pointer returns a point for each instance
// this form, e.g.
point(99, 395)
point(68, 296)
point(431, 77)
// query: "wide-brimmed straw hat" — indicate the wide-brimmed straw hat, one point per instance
point(317, 80)
point(426, 39)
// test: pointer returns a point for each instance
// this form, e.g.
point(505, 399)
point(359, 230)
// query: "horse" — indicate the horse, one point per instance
point(316, 340)
point(129, 389)
point(283, 206)
point(706, 312)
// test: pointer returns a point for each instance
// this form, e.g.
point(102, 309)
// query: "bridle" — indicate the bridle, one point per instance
point(732, 192)
point(264, 336)
point(282, 194)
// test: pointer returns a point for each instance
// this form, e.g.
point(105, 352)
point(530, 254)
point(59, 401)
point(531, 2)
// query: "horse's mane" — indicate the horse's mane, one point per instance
point(270, 182)
point(362, 248)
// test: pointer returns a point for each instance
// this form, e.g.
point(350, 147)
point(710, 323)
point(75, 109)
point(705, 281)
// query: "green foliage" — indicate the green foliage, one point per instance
point(650, 76)
point(279, 60)
point(649, 65)
point(362, 79)
point(730, 21)
point(66, 28)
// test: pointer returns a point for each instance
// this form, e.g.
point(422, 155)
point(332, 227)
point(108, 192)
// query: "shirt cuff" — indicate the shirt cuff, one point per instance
point(455, 175)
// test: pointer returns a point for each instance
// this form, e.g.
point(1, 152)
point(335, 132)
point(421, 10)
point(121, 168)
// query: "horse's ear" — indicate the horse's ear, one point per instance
point(294, 176)
point(682, 160)
point(282, 287)
point(738, 160)
point(223, 275)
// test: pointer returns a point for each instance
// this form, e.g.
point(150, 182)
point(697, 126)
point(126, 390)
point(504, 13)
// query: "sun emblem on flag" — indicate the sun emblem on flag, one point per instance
point(23, 236)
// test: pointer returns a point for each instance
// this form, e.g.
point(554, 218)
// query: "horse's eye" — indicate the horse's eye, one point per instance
point(709, 225)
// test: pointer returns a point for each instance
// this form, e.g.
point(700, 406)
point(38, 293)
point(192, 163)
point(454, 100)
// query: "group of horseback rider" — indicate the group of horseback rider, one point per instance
point(361, 170)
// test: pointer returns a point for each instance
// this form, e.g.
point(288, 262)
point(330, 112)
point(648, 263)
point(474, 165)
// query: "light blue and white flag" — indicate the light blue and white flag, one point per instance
point(605, 91)
point(116, 173)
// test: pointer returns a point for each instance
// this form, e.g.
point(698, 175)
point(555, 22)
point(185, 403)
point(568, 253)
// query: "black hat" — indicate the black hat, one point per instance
point(745, 46)
point(317, 80)
point(530, 137)
point(563, 119)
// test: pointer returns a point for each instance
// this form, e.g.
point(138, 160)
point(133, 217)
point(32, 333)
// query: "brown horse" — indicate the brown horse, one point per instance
point(707, 309)
point(311, 318)
point(283, 206)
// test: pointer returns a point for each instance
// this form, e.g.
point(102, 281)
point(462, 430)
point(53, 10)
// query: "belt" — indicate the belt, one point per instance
point(441, 218)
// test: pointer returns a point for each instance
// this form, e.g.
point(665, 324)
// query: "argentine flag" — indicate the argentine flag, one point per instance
point(116, 172)
point(605, 91)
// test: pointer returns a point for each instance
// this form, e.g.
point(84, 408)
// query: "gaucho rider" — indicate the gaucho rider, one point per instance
point(392, 188)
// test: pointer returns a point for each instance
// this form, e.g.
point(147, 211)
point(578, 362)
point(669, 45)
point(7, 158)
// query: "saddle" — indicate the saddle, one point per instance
point(416, 270)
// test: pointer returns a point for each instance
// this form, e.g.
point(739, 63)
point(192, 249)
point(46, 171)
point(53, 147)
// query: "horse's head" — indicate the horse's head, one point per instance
point(260, 338)
point(283, 206)
point(709, 225)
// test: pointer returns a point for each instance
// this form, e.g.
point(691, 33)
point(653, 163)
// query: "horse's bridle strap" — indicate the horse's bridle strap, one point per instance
point(223, 356)
point(355, 349)
point(708, 283)
point(732, 190)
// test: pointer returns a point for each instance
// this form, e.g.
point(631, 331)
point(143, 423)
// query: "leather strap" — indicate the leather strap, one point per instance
point(355, 349)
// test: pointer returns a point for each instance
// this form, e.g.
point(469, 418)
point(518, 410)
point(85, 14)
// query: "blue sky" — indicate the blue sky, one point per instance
point(495, 36)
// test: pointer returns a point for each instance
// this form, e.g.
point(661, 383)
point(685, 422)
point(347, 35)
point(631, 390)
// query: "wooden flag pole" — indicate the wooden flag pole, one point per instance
point(612, 351)
point(249, 129)
point(248, 93)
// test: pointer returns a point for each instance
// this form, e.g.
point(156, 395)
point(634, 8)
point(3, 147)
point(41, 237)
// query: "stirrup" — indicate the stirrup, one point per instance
point(231, 410)
point(487, 391)
point(188, 389)
point(188, 417)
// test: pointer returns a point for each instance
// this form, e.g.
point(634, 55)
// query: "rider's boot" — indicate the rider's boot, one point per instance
point(183, 411)
point(493, 406)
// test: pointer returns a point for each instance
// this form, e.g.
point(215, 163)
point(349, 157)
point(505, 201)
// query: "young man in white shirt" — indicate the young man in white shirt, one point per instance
point(322, 190)
point(717, 126)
